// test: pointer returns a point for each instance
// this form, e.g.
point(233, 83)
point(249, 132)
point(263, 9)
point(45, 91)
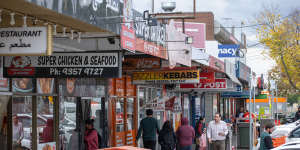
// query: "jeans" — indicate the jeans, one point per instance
point(189, 147)
point(149, 144)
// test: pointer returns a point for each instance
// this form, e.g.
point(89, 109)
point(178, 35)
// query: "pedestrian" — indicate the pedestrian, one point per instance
point(18, 133)
point(297, 115)
point(265, 138)
point(200, 134)
point(185, 135)
point(90, 135)
point(240, 113)
point(148, 129)
point(216, 133)
point(167, 137)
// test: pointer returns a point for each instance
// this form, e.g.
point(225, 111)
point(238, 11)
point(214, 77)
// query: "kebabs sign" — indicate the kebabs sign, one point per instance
point(101, 65)
point(166, 77)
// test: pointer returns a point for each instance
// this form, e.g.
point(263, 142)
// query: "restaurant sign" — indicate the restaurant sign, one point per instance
point(166, 77)
point(29, 41)
point(101, 65)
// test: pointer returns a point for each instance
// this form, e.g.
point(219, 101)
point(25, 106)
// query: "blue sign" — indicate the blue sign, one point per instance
point(228, 50)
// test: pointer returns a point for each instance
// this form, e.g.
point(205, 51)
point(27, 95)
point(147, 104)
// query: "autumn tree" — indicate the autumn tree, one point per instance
point(281, 35)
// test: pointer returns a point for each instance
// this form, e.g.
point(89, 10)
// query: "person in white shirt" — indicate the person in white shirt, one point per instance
point(18, 133)
point(216, 133)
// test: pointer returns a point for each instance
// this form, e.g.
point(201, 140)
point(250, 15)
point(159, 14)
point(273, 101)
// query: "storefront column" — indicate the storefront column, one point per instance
point(34, 121)
point(193, 110)
point(56, 121)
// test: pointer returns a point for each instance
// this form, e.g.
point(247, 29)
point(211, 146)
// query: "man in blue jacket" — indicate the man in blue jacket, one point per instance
point(149, 128)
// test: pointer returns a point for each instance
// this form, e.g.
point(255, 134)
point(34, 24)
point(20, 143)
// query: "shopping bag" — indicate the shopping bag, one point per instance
point(203, 140)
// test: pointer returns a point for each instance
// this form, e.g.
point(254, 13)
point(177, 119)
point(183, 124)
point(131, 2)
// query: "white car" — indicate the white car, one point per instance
point(294, 135)
point(289, 146)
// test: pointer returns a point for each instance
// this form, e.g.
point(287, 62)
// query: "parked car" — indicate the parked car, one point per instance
point(294, 135)
point(289, 146)
point(290, 117)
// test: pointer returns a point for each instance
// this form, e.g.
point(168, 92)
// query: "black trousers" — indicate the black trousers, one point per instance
point(149, 144)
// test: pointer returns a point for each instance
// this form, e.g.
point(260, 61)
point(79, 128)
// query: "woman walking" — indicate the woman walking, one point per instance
point(185, 135)
point(201, 134)
point(166, 137)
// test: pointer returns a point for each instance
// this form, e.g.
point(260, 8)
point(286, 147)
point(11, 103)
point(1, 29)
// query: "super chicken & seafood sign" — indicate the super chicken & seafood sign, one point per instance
point(101, 65)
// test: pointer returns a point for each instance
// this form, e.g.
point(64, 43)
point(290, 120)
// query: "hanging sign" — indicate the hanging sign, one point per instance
point(26, 41)
point(228, 50)
point(166, 77)
point(101, 65)
point(141, 63)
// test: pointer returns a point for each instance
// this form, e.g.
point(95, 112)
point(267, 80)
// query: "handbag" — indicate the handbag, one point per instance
point(203, 140)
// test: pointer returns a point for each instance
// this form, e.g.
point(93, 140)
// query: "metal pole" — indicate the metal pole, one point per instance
point(153, 6)
point(250, 112)
point(276, 104)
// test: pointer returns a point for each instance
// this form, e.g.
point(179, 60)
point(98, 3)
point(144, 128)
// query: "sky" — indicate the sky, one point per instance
point(232, 13)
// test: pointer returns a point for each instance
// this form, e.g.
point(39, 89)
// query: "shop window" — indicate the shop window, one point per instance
point(3, 121)
point(120, 115)
point(45, 122)
point(130, 108)
point(67, 123)
point(22, 122)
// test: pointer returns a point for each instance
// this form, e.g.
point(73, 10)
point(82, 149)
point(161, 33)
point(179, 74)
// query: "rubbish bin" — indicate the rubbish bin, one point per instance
point(243, 135)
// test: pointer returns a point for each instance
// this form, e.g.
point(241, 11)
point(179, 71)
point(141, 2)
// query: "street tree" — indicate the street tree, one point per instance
point(281, 35)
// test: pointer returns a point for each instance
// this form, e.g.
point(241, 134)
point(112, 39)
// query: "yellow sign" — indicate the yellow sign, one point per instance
point(166, 77)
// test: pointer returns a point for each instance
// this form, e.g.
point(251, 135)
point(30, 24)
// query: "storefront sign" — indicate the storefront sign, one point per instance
point(157, 104)
point(244, 94)
point(101, 65)
point(216, 63)
point(243, 71)
point(179, 52)
point(29, 41)
point(141, 63)
point(166, 77)
point(230, 71)
point(207, 81)
point(149, 39)
point(228, 50)
point(128, 32)
point(195, 30)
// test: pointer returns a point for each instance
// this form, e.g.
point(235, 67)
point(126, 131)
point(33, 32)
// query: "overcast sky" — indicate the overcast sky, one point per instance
point(231, 13)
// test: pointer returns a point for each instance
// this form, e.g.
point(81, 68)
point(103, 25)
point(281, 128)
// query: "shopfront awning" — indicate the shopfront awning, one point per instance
point(54, 12)
point(234, 79)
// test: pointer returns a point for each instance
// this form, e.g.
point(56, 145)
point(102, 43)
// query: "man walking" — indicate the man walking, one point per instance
point(265, 139)
point(216, 133)
point(149, 128)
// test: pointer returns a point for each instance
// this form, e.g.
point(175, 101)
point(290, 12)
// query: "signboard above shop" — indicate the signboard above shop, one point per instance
point(166, 77)
point(228, 50)
point(101, 65)
point(207, 80)
point(25, 41)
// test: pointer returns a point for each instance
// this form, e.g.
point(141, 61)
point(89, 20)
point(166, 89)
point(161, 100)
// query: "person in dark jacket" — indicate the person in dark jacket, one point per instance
point(265, 139)
point(149, 128)
point(200, 129)
point(167, 137)
point(297, 115)
point(185, 135)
